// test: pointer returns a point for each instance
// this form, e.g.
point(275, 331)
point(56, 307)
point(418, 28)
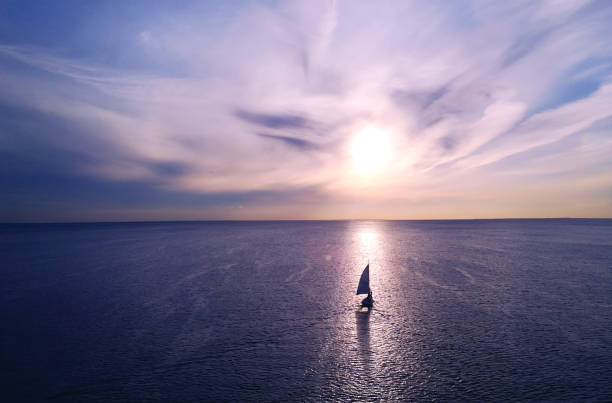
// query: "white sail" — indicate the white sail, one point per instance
point(364, 281)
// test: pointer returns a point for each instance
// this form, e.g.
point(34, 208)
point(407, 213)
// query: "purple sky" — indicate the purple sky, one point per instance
point(305, 110)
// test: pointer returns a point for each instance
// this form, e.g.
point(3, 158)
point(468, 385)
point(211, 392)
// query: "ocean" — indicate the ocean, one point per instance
point(482, 310)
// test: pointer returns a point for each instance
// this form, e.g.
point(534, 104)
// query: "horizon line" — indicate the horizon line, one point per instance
point(296, 220)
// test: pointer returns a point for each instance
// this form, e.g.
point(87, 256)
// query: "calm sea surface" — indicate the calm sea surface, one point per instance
point(465, 310)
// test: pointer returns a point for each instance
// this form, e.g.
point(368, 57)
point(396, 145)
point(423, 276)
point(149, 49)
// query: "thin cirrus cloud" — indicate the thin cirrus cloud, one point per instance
point(490, 109)
point(290, 141)
point(273, 121)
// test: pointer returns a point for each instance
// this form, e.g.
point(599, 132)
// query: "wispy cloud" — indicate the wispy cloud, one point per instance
point(291, 141)
point(278, 121)
point(218, 99)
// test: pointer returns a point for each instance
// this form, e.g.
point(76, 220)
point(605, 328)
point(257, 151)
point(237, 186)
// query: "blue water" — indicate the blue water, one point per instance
point(465, 310)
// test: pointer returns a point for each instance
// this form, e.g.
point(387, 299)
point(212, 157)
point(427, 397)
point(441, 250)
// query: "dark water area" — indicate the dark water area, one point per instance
point(232, 311)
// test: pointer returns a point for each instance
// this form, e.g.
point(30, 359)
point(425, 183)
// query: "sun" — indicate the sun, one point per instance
point(370, 149)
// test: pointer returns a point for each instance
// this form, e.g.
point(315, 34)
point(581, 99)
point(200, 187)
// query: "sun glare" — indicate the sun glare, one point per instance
point(370, 149)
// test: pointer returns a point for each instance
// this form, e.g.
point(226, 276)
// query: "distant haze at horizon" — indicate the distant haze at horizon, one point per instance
point(304, 110)
point(35, 223)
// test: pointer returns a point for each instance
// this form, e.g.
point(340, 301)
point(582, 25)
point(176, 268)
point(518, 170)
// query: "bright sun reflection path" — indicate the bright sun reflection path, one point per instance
point(368, 240)
point(370, 149)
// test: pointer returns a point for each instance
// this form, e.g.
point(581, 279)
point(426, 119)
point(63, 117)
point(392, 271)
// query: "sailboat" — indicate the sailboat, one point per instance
point(364, 288)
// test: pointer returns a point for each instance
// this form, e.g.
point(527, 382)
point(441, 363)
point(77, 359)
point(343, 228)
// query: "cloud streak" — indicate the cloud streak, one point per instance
point(291, 141)
point(274, 121)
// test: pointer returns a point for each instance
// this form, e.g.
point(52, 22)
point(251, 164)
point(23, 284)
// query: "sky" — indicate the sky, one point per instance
point(165, 110)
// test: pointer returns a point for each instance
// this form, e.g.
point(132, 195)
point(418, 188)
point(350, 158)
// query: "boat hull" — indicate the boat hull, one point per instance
point(367, 302)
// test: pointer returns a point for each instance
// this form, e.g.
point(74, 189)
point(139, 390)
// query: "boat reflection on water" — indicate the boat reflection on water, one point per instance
point(362, 327)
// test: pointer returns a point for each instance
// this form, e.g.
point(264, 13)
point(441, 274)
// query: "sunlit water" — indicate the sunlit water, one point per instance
point(465, 310)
